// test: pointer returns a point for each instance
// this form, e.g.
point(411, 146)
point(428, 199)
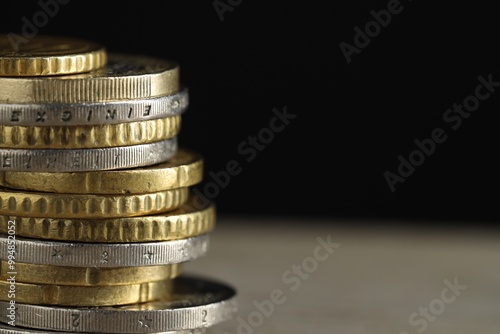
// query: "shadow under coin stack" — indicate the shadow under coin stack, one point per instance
point(96, 215)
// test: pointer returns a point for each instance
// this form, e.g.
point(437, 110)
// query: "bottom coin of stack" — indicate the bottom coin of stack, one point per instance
point(102, 252)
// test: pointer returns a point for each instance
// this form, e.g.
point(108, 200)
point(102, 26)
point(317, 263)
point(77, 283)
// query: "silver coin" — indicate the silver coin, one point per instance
point(81, 114)
point(104, 255)
point(8, 329)
point(195, 303)
point(81, 160)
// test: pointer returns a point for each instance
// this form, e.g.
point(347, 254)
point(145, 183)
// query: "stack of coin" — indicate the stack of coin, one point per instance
point(96, 214)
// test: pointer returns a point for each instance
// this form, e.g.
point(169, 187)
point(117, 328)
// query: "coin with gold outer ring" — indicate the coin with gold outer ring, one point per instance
point(92, 136)
point(64, 295)
point(183, 170)
point(49, 55)
point(123, 78)
point(36, 204)
point(90, 276)
point(192, 219)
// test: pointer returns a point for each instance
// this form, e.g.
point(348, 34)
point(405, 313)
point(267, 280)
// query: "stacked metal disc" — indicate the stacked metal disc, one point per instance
point(96, 214)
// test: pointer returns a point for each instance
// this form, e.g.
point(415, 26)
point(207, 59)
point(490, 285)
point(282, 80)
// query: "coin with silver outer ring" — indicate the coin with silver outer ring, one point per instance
point(194, 303)
point(105, 255)
point(89, 159)
point(97, 113)
point(7, 329)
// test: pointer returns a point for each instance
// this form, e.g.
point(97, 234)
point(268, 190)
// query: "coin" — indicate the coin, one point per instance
point(88, 206)
point(89, 276)
point(7, 329)
point(189, 220)
point(194, 303)
point(49, 55)
point(94, 113)
point(104, 255)
point(63, 295)
point(91, 136)
point(123, 78)
point(91, 159)
point(184, 169)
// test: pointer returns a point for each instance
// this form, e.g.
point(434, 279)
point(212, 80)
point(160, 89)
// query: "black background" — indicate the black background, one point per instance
point(353, 121)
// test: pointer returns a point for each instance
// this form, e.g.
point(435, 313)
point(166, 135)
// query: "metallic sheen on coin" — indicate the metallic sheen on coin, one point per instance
point(49, 55)
point(123, 78)
point(82, 160)
point(7, 329)
point(89, 206)
point(193, 218)
point(63, 295)
point(89, 276)
point(89, 136)
point(182, 170)
point(97, 113)
point(195, 303)
point(106, 255)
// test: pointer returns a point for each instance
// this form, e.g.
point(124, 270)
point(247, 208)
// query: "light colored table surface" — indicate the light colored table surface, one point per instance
point(371, 284)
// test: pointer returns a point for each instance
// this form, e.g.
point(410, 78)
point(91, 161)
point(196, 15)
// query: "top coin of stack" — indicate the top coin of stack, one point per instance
point(94, 194)
point(46, 55)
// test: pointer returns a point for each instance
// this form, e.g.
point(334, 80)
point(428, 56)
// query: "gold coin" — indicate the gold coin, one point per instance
point(123, 78)
point(49, 55)
point(183, 170)
point(64, 295)
point(93, 136)
point(45, 274)
point(190, 220)
point(33, 204)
